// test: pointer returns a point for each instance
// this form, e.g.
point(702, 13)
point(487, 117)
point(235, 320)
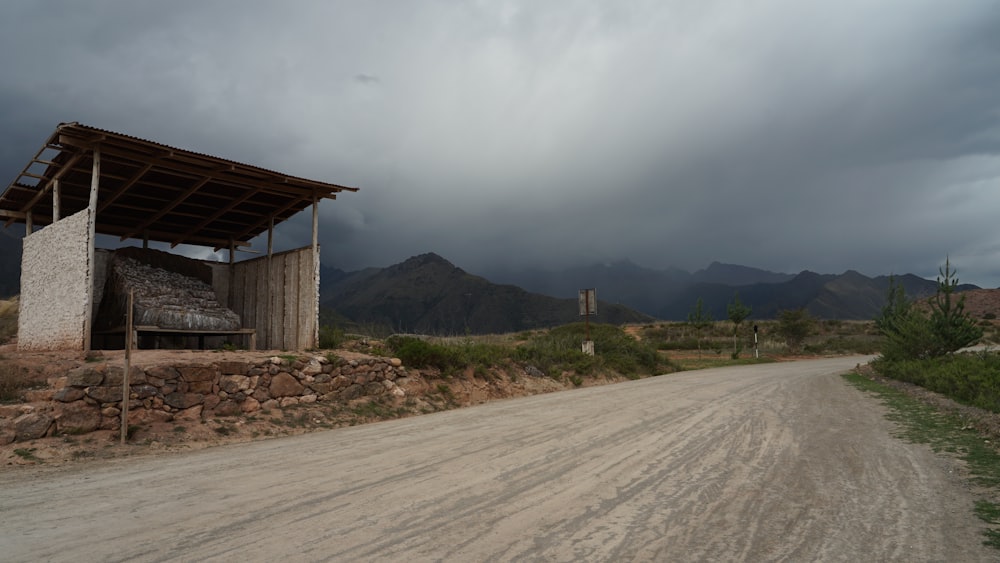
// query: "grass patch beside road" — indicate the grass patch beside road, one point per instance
point(718, 362)
point(8, 318)
point(923, 424)
point(14, 380)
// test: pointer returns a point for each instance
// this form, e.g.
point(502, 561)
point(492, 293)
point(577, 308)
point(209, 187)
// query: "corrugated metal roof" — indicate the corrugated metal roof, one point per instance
point(148, 189)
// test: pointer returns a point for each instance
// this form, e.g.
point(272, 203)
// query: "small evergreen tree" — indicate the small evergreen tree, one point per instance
point(896, 307)
point(738, 312)
point(953, 328)
point(910, 334)
point(699, 319)
point(905, 328)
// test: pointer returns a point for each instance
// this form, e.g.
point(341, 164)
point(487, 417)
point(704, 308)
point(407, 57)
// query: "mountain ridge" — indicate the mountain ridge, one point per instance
point(450, 300)
point(428, 294)
point(671, 294)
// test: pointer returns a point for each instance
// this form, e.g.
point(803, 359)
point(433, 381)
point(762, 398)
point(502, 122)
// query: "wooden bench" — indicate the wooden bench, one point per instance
point(201, 334)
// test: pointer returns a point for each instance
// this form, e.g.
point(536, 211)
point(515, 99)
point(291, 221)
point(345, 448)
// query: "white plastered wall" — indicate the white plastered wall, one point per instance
point(55, 277)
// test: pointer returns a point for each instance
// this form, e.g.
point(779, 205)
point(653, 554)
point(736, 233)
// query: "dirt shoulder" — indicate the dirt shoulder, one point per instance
point(985, 422)
point(769, 462)
point(426, 391)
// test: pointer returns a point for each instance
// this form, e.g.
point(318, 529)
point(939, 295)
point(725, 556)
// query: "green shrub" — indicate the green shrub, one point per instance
point(421, 354)
point(553, 352)
point(794, 326)
point(910, 333)
point(560, 350)
point(973, 379)
point(330, 338)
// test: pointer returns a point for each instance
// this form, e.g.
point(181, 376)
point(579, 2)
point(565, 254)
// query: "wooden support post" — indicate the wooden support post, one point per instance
point(145, 239)
point(29, 224)
point(315, 256)
point(95, 182)
point(269, 297)
point(232, 252)
point(315, 225)
point(55, 200)
point(129, 332)
point(270, 237)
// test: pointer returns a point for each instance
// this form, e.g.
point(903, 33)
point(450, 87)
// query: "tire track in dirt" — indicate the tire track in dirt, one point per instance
point(769, 462)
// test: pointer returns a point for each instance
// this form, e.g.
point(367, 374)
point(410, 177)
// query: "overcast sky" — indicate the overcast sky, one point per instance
point(779, 134)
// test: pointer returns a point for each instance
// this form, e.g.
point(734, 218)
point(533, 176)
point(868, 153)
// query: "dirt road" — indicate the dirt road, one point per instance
point(778, 462)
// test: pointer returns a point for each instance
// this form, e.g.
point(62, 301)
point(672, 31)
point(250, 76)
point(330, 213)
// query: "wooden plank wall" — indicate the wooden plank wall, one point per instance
point(279, 300)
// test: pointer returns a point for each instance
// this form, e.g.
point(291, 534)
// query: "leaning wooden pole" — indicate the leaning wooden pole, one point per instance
point(315, 255)
point(128, 366)
point(95, 181)
point(55, 200)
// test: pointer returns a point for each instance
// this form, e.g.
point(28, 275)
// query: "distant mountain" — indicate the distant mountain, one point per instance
point(429, 295)
point(332, 280)
point(623, 282)
point(662, 294)
point(666, 294)
point(848, 296)
point(733, 274)
point(10, 263)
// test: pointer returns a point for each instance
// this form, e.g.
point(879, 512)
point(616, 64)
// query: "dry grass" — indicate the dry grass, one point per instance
point(8, 319)
point(14, 380)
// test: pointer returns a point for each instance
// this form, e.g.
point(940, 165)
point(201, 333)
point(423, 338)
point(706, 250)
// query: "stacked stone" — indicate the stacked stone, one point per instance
point(89, 397)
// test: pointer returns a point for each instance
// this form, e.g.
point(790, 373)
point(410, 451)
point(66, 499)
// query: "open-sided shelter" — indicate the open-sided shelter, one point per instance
point(86, 181)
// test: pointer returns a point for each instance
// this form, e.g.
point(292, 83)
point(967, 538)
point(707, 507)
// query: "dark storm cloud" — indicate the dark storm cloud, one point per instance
point(781, 134)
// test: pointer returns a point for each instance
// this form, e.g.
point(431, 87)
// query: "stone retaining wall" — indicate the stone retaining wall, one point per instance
point(89, 398)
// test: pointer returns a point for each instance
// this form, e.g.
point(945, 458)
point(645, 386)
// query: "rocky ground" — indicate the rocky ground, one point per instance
point(426, 391)
point(766, 462)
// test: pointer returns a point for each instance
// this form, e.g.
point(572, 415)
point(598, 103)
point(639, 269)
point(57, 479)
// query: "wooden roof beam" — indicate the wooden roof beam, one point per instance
point(177, 201)
point(124, 188)
point(214, 216)
point(12, 215)
point(162, 236)
point(261, 224)
point(225, 174)
point(44, 188)
point(265, 187)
